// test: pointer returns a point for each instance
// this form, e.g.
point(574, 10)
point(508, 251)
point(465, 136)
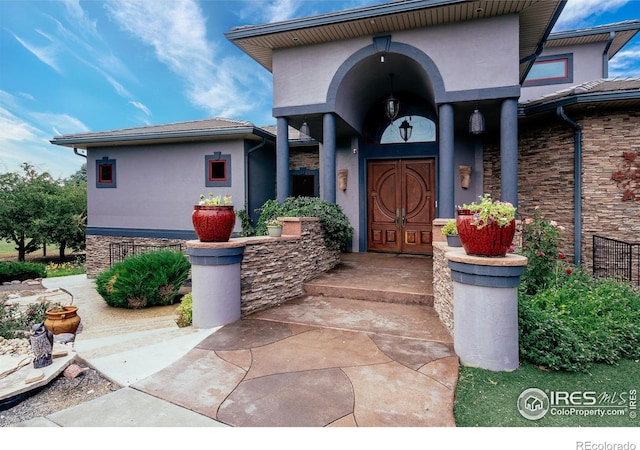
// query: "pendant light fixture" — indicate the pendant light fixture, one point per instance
point(405, 130)
point(392, 104)
point(476, 122)
point(304, 129)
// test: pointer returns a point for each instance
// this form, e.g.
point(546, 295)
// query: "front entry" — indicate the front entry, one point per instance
point(401, 205)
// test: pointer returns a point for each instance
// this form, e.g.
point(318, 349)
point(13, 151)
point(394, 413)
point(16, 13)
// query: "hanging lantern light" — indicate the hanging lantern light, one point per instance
point(405, 130)
point(476, 122)
point(304, 129)
point(392, 104)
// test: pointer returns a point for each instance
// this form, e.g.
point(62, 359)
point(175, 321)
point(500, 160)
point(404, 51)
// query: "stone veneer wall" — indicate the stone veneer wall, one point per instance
point(97, 249)
point(273, 270)
point(545, 169)
point(442, 286)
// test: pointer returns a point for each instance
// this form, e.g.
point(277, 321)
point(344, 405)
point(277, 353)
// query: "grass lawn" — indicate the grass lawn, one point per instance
point(8, 251)
point(490, 399)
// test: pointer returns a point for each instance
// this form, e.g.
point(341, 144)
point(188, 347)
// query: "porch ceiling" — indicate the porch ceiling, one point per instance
point(537, 17)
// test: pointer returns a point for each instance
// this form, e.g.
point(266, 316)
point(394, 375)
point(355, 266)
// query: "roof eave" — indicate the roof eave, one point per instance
point(78, 141)
point(594, 97)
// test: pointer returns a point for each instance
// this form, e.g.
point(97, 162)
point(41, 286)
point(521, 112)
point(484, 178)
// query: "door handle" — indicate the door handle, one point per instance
point(397, 217)
point(404, 219)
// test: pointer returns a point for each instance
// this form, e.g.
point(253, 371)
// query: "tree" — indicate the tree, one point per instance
point(35, 210)
point(23, 208)
point(67, 216)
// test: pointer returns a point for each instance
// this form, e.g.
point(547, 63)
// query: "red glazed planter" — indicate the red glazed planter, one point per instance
point(213, 223)
point(490, 240)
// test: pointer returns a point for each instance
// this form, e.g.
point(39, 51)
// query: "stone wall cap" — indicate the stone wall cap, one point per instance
point(299, 219)
point(231, 243)
point(511, 259)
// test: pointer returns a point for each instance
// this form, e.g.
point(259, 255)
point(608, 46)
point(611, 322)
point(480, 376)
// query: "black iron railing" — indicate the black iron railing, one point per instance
point(616, 259)
point(118, 251)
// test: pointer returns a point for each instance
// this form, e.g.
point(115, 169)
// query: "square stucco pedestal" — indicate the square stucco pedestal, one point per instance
point(215, 282)
point(485, 309)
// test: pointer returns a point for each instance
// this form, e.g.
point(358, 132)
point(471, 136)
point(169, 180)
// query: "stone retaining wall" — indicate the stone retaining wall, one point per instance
point(442, 286)
point(273, 270)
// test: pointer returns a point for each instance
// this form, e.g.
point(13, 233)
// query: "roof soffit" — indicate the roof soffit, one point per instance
point(536, 20)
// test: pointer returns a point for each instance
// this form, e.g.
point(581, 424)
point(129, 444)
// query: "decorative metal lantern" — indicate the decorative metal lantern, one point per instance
point(476, 122)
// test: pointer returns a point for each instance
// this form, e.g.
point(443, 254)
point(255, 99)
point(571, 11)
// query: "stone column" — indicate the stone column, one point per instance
point(215, 281)
point(328, 158)
point(282, 159)
point(509, 151)
point(485, 309)
point(446, 195)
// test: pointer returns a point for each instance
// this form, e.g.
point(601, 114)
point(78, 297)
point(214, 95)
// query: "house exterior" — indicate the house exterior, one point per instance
point(384, 97)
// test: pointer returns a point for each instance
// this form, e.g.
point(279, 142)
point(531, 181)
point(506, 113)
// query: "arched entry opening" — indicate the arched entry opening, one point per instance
point(400, 170)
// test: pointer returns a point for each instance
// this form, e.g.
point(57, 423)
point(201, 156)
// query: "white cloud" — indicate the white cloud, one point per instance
point(576, 13)
point(177, 32)
point(142, 107)
point(79, 18)
point(24, 139)
point(46, 54)
point(59, 123)
point(14, 129)
point(626, 63)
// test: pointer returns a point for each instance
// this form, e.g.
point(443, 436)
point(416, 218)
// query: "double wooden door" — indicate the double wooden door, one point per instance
point(401, 205)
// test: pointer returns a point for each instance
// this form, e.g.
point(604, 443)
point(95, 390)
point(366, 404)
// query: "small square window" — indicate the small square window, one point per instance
point(217, 170)
point(106, 173)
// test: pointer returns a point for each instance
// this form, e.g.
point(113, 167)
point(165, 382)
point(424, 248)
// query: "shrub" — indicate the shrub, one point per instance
point(540, 246)
point(583, 320)
point(149, 279)
point(21, 271)
point(338, 231)
point(185, 311)
point(15, 322)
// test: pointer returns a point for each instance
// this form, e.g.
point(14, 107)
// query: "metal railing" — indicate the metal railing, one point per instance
point(617, 259)
point(118, 251)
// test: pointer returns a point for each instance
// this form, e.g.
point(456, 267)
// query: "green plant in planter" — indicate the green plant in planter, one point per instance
point(488, 210)
point(274, 223)
point(450, 228)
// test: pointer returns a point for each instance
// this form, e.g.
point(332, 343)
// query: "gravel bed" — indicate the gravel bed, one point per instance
point(61, 393)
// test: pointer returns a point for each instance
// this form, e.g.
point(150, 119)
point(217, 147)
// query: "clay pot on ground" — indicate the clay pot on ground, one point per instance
point(62, 320)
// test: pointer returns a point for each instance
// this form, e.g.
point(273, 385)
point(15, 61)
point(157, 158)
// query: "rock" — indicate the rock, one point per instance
point(74, 370)
point(16, 282)
point(34, 375)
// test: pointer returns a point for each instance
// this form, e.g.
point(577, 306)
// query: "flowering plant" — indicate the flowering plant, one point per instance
point(274, 223)
point(449, 228)
point(488, 210)
point(217, 200)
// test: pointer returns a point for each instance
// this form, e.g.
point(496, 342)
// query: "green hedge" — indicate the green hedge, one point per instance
point(582, 321)
point(149, 279)
point(338, 230)
point(10, 271)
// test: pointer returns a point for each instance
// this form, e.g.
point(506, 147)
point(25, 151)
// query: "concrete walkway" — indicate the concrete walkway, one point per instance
point(318, 360)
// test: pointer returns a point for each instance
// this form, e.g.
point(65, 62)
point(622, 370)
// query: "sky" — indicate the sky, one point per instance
point(72, 66)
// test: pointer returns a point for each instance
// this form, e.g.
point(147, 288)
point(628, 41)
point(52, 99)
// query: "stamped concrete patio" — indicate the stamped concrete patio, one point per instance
point(363, 348)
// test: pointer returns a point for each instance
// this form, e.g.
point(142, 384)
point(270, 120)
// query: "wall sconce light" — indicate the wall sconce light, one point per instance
point(392, 104)
point(476, 122)
point(217, 155)
point(342, 179)
point(465, 176)
point(405, 130)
